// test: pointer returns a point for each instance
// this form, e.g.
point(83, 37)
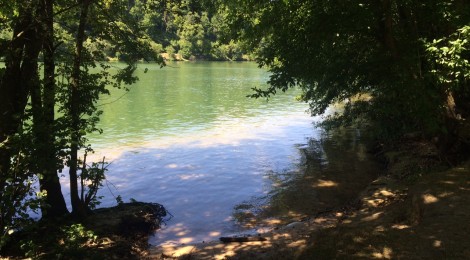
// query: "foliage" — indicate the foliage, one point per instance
point(19, 198)
point(450, 57)
point(76, 235)
point(193, 29)
point(59, 109)
point(91, 180)
point(66, 241)
point(387, 49)
point(119, 200)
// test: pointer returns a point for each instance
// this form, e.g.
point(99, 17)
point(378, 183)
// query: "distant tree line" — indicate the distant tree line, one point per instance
point(187, 29)
point(183, 30)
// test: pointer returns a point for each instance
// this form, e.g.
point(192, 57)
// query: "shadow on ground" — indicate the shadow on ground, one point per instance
point(427, 221)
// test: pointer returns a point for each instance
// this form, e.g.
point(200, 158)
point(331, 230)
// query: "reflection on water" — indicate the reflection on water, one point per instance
point(199, 178)
point(335, 168)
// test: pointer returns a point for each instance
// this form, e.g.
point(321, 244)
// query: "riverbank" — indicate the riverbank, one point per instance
point(415, 210)
point(119, 232)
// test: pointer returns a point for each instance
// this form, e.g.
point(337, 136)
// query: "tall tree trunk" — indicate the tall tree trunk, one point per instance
point(49, 180)
point(389, 39)
point(20, 76)
point(78, 206)
point(13, 93)
point(384, 12)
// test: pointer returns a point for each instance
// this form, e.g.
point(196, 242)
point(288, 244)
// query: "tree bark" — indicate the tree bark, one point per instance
point(50, 181)
point(20, 79)
point(384, 12)
point(78, 206)
point(20, 69)
point(13, 93)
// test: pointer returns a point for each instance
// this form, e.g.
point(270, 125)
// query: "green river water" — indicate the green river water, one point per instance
point(186, 136)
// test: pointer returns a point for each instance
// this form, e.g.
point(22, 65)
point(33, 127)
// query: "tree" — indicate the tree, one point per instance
point(338, 50)
point(17, 79)
point(34, 140)
point(45, 162)
point(98, 22)
point(78, 207)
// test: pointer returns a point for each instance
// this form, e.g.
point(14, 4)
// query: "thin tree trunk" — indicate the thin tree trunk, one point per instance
point(78, 207)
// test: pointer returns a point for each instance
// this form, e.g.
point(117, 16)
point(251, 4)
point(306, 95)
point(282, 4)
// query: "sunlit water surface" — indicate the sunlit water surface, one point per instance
point(186, 136)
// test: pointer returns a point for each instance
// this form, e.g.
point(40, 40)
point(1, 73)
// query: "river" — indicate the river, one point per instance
point(186, 136)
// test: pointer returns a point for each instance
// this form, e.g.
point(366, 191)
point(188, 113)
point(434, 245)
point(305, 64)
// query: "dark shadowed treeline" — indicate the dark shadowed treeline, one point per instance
point(401, 67)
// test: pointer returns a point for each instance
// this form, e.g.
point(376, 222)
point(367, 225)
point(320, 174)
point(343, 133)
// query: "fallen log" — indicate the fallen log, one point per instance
point(241, 239)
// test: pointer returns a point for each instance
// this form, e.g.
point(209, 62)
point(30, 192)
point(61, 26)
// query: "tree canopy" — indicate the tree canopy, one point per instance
point(409, 57)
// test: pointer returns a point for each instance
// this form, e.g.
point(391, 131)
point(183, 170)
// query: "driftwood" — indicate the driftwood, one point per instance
point(242, 239)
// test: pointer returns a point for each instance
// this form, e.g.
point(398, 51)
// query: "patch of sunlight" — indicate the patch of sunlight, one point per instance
point(325, 184)
point(272, 221)
point(358, 239)
point(177, 251)
point(230, 250)
point(380, 228)
point(280, 236)
point(386, 253)
point(299, 244)
point(186, 177)
point(429, 199)
point(186, 240)
point(215, 234)
point(386, 193)
point(448, 182)
point(178, 227)
point(264, 230)
point(182, 233)
point(400, 226)
point(375, 202)
point(225, 255)
point(321, 220)
point(172, 166)
point(437, 243)
point(445, 194)
point(374, 216)
point(361, 97)
point(294, 214)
